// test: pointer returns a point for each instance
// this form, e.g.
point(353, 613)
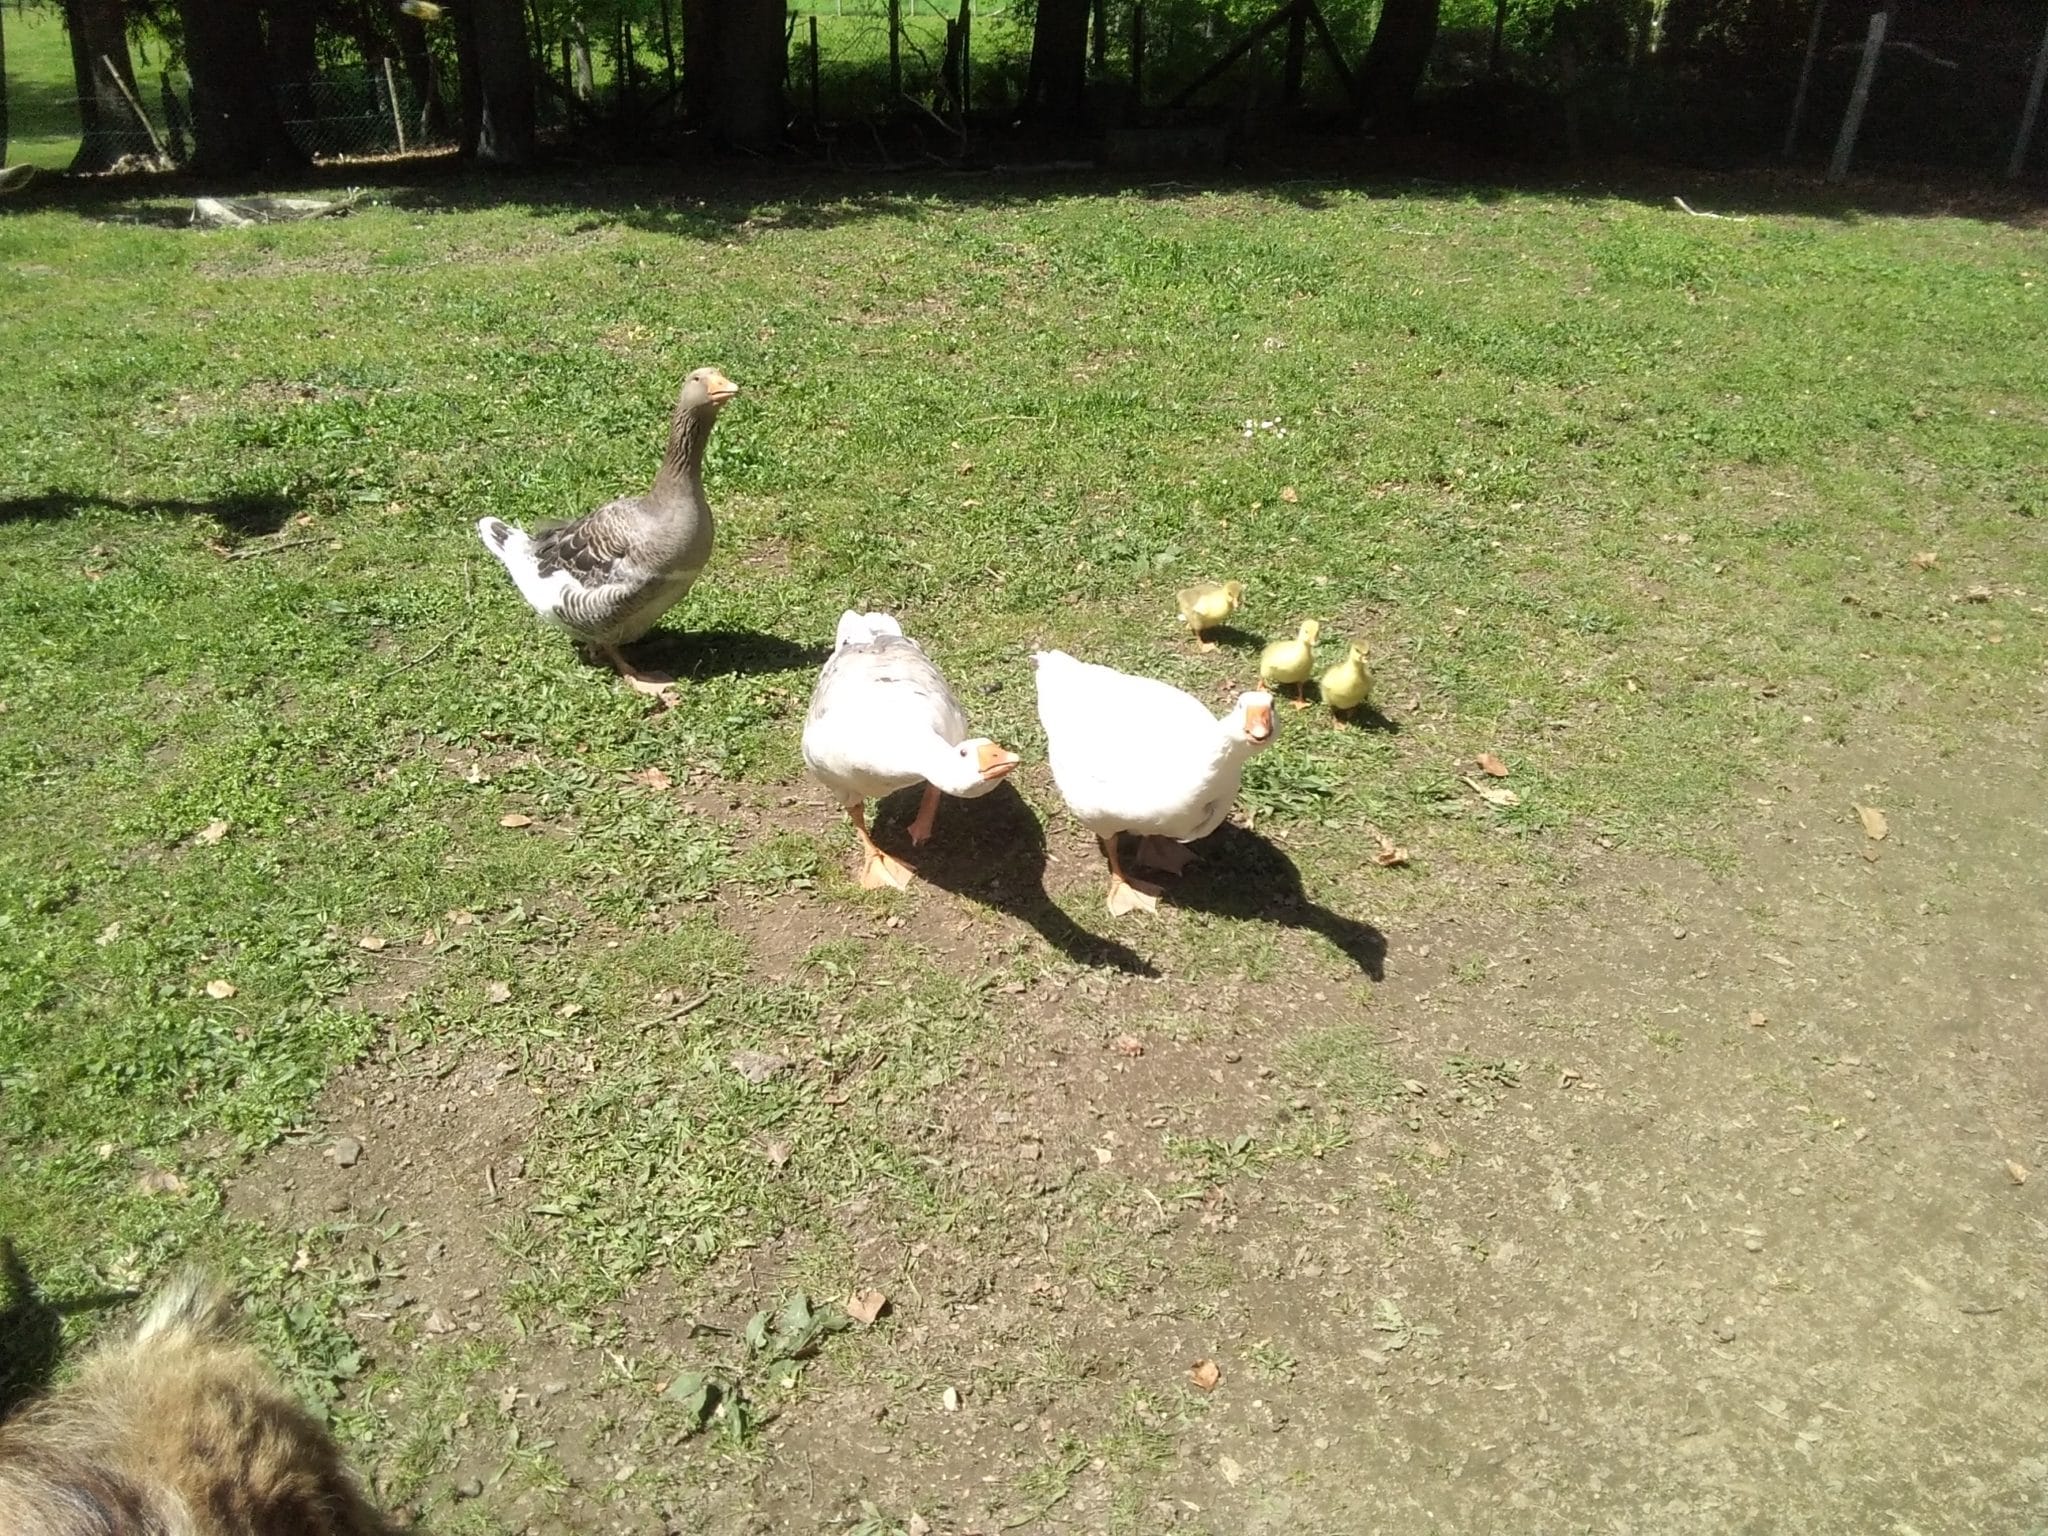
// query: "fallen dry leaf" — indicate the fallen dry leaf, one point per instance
point(653, 778)
point(1926, 560)
point(1491, 766)
point(865, 1306)
point(950, 1399)
point(370, 941)
point(160, 1181)
point(1758, 1018)
point(1205, 1374)
point(1979, 593)
point(1233, 1472)
point(919, 1526)
point(1875, 827)
point(1390, 854)
point(108, 934)
point(514, 819)
point(1129, 1045)
point(1289, 495)
point(777, 1153)
point(497, 992)
point(2015, 1172)
point(1500, 797)
point(210, 834)
point(220, 989)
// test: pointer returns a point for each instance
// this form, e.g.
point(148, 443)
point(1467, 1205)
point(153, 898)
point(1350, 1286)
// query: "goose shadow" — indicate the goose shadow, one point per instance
point(1230, 637)
point(32, 1331)
point(693, 653)
point(1239, 874)
point(1367, 717)
point(992, 850)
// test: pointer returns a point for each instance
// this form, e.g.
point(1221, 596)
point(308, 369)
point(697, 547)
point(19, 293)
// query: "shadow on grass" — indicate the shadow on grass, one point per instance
point(245, 513)
point(693, 653)
point(1367, 717)
point(1231, 638)
point(693, 196)
point(1239, 874)
point(32, 1331)
point(992, 850)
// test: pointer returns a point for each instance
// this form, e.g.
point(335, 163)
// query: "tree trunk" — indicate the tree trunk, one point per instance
point(420, 72)
point(582, 73)
point(236, 127)
point(1057, 87)
point(1395, 61)
point(734, 60)
point(288, 34)
point(497, 81)
point(107, 128)
point(3, 86)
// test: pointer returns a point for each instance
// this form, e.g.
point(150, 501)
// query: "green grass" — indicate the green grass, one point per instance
point(1626, 498)
point(42, 95)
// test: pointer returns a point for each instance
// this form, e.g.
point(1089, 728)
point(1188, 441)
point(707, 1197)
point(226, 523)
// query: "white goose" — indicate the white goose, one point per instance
point(1131, 754)
point(882, 718)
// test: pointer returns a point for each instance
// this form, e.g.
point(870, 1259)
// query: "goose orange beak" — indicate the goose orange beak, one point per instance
point(1258, 722)
point(996, 763)
point(720, 388)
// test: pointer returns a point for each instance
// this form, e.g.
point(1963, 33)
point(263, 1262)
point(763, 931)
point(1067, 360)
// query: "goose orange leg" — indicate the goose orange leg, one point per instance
point(877, 869)
point(1125, 894)
point(927, 814)
point(1163, 853)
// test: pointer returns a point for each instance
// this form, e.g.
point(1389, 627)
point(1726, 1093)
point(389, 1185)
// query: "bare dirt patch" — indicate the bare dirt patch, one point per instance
point(1674, 1200)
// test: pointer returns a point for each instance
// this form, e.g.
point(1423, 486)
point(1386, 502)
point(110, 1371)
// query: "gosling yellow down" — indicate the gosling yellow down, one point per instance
point(1208, 604)
point(1291, 661)
point(1346, 685)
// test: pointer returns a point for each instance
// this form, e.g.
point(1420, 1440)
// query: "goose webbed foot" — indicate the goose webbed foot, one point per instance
point(878, 871)
point(657, 685)
point(1125, 894)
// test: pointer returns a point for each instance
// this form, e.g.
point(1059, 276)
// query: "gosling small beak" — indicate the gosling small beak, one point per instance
point(996, 763)
point(1258, 722)
point(720, 388)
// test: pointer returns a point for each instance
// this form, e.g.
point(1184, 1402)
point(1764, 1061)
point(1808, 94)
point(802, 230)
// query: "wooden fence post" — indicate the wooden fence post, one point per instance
point(391, 95)
point(134, 106)
point(1297, 54)
point(1820, 11)
point(1859, 98)
point(895, 51)
point(1138, 55)
point(815, 116)
point(2033, 110)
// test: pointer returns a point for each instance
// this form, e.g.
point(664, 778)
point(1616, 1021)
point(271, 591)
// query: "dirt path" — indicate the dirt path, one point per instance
point(1681, 1202)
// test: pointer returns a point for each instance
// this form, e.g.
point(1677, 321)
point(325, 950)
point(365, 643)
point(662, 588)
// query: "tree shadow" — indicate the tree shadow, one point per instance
point(694, 653)
point(32, 1331)
point(704, 199)
point(992, 850)
point(246, 514)
point(1242, 875)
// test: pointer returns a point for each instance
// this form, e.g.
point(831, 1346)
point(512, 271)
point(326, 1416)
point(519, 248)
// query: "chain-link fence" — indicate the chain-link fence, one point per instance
point(862, 58)
point(377, 112)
